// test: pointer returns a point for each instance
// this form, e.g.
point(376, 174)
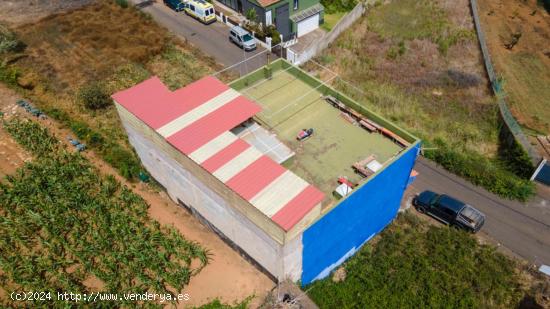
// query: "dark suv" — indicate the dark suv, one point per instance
point(449, 210)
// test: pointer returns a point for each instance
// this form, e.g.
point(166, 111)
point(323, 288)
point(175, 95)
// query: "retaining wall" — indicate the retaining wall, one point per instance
point(302, 56)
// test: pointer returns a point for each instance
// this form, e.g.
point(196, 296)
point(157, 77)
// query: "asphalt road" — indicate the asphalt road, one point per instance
point(523, 229)
point(213, 39)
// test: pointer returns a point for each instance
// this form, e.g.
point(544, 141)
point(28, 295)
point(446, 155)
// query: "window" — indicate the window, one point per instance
point(247, 37)
point(448, 213)
point(192, 7)
point(295, 4)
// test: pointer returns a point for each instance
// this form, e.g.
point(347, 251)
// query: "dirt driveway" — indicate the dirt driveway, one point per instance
point(227, 277)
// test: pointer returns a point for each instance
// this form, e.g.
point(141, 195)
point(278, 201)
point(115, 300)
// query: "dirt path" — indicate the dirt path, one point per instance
point(12, 154)
point(228, 276)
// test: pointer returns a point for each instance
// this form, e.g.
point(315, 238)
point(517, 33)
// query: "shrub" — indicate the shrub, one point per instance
point(513, 155)
point(272, 32)
point(8, 74)
point(9, 41)
point(251, 15)
point(481, 171)
point(94, 96)
point(122, 3)
point(123, 160)
point(334, 6)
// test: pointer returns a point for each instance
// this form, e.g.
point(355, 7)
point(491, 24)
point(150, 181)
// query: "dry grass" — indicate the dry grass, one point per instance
point(105, 43)
point(395, 56)
point(526, 67)
point(87, 44)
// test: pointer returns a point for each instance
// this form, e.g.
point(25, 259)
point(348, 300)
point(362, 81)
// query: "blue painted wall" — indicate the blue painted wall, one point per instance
point(337, 235)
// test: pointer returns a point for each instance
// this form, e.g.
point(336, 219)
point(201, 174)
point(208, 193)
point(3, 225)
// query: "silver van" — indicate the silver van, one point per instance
point(242, 38)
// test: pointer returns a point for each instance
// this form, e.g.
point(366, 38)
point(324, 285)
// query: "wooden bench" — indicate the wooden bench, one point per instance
point(367, 126)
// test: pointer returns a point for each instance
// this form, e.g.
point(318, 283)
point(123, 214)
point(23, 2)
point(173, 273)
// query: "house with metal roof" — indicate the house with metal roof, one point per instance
point(237, 157)
point(290, 17)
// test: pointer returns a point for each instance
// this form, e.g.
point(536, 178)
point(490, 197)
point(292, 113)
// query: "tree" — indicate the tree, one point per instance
point(251, 15)
point(94, 96)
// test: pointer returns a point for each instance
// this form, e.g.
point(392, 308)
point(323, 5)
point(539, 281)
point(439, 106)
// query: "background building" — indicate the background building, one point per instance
point(230, 154)
point(290, 17)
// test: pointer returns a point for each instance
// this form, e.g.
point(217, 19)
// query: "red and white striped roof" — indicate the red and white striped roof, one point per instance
point(196, 120)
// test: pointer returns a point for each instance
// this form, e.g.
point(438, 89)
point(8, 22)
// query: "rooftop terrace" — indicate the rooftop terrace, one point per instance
point(291, 101)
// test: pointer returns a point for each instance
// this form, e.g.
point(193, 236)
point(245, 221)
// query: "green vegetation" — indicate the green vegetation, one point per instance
point(333, 6)
point(9, 41)
point(261, 32)
point(94, 96)
point(330, 20)
point(414, 266)
point(251, 14)
point(66, 228)
point(410, 19)
point(217, 304)
point(481, 171)
point(122, 3)
point(8, 75)
point(525, 80)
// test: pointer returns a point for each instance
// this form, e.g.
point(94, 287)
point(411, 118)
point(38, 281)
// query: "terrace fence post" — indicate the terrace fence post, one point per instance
point(268, 41)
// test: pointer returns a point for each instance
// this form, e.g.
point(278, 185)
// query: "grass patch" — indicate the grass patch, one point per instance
point(410, 19)
point(217, 304)
point(69, 229)
point(333, 6)
point(417, 267)
point(526, 81)
point(330, 20)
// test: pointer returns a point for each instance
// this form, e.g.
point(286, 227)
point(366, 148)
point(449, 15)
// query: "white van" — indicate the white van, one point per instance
point(200, 10)
point(242, 38)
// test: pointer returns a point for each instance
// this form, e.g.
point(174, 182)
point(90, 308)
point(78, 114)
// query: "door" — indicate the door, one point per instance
point(239, 6)
point(282, 20)
point(307, 25)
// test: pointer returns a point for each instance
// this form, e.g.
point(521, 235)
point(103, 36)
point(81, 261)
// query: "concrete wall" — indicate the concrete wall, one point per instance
point(344, 229)
point(281, 260)
point(299, 57)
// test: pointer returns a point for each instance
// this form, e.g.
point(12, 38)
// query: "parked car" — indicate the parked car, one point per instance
point(201, 10)
point(176, 5)
point(242, 38)
point(449, 211)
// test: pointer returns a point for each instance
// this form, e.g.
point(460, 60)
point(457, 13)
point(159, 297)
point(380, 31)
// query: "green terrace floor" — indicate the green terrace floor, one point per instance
point(290, 105)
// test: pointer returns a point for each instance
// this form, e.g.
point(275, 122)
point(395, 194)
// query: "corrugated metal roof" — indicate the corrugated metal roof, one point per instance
point(310, 11)
point(196, 120)
point(298, 207)
point(225, 155)
point(264, 171)
point(204, 129)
